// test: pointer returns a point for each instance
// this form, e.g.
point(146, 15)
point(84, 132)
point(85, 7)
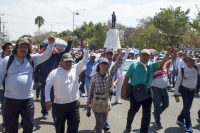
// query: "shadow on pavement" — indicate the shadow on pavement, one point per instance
point(198, 125)
point(180, 129)
point(85, 131)
point(38, 123)
point(153, 128)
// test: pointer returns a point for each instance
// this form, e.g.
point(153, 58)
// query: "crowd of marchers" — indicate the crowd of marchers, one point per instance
point(61, 76)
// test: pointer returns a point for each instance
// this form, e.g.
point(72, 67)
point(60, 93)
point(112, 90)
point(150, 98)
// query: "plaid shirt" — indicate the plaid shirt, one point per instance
point(98, 83)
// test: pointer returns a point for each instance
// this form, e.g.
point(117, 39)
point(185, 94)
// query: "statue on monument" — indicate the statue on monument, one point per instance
point(113, 20)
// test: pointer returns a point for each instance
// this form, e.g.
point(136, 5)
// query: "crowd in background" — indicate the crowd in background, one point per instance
point(62, 75)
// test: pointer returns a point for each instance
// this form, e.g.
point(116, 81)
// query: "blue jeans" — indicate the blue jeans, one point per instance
point(2, 105)
point(160, 102)
point(81, 87)
point(187, 97)
point(107, 126)
point(44, 111)
point(87, 83)
point(170, 75)
point(198, 84)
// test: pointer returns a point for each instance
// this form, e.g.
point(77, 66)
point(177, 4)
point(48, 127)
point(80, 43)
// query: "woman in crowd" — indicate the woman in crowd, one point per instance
point(185, 85)
point(98, 86)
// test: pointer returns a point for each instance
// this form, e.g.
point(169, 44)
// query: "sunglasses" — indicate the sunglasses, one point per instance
point(104, 63)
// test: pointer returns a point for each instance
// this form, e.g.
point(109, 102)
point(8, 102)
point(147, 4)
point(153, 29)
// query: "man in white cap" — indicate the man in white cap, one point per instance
point(141, 72)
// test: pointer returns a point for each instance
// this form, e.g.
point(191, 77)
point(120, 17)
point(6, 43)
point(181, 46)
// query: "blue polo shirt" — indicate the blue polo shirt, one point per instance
point(137, 73)
point(89, 67)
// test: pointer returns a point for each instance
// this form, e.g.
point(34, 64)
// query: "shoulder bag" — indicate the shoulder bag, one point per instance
point(140, 91)
point(101, 102)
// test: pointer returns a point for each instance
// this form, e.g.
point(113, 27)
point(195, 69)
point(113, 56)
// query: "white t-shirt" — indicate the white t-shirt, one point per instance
point(65, 82)
point(190, 78)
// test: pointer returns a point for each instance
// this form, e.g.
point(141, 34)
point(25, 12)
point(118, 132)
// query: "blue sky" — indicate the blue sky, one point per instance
point(53, 11)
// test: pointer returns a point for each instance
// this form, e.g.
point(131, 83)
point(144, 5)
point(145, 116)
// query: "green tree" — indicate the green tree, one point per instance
point(172, 23)
point(65, 33)
point(147, 37)
point(39, 21)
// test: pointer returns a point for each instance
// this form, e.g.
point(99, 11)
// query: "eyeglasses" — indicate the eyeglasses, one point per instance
point(104, 63)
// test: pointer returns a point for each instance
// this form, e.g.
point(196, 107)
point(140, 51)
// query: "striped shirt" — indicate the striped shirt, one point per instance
point(160, 79)
point(98, 83)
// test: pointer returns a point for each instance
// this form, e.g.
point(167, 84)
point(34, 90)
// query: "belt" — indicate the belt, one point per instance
point(161, 88)
point(87, 76)
point(164, 88)
point(185, 88)
point(98, 98)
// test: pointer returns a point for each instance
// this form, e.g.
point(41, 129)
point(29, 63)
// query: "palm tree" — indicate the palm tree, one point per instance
point(39, 21)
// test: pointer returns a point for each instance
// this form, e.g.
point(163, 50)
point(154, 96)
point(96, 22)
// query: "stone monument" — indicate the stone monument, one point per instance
point(112, 37)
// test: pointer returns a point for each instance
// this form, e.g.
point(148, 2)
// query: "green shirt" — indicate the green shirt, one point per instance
point(137, 73)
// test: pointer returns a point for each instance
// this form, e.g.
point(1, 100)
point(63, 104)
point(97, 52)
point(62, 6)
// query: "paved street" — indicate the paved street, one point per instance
point(117, 118)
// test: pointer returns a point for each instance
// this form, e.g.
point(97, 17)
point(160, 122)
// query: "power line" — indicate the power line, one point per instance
point(28, 18)
point(16, 31)
point(19, 17)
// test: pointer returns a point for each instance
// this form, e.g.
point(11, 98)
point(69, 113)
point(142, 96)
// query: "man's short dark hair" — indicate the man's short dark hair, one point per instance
point(5, 45)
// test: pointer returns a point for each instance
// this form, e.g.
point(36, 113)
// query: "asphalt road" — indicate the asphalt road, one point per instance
point(117, 118)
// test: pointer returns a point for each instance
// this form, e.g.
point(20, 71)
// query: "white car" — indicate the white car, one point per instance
point(126, 66)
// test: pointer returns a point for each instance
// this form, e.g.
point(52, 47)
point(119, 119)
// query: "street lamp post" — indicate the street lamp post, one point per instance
point(74, 13)
point(52, 25)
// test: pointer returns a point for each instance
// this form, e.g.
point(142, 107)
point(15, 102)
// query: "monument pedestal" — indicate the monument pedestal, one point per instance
point(112, 39)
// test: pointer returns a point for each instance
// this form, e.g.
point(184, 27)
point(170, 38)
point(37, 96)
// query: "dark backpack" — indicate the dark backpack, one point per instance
point(10, 60)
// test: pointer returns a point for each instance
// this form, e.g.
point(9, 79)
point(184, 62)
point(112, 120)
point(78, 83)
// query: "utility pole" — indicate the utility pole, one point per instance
point(4, 30)
point(0, 27)
point(0, 24)
point(6, 35)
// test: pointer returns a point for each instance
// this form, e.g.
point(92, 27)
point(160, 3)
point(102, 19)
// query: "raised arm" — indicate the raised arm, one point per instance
point(174, 55)
point(39, 58)
point(118, 64)
point(126, 54)
point(162, 62)
point(81, 64)
point(67, 49)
